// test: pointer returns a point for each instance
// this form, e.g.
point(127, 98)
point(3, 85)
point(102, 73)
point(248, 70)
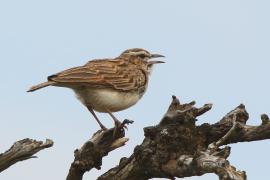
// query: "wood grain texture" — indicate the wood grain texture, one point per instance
point(91, 153)
point(176, 147)
point(22, 150)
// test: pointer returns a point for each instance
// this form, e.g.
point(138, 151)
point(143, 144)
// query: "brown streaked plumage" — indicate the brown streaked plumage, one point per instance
point(107, 85)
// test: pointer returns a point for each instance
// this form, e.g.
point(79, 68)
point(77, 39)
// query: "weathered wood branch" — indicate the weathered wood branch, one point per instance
point(22, 150)
point(91, 153)
point(176, 147)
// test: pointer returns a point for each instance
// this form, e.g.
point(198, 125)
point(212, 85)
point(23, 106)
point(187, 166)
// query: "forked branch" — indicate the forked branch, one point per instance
point(91, 153)
point(176, 147)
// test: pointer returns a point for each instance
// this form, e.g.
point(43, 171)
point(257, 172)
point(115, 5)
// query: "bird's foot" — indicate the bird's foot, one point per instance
point(119, 126)
point(125, 123)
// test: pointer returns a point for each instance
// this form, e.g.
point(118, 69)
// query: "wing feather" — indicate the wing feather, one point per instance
point(102, 74)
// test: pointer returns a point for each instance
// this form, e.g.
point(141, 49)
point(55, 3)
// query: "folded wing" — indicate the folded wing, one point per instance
point(101, 74)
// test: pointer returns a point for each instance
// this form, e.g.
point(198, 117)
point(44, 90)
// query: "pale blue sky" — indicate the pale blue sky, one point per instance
point(216, 51)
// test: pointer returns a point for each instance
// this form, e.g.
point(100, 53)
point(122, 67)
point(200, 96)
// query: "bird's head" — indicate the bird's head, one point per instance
point(141, 58)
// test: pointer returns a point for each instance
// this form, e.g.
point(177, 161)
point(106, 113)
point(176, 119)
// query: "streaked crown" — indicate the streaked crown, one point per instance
point(140, 57)
point(136, 52)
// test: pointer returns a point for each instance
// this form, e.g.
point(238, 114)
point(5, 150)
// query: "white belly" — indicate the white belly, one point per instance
point(107, 99)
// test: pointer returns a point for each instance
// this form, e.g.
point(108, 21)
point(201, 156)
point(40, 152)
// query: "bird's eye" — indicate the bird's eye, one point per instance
point(142, 56)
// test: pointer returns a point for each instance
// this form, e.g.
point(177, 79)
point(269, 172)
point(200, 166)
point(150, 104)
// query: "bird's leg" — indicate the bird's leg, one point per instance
point(96, 118)
point(116, 121)
point(118, 124)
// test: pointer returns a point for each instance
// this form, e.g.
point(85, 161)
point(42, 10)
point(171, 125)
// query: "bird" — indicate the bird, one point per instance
point(108, 85)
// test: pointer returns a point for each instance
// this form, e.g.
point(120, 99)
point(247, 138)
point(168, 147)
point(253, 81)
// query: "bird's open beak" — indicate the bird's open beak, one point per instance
point(155, 56)
point(154, 62)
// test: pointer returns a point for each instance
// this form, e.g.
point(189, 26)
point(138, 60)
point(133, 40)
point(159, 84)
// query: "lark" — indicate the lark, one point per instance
point(107, 85)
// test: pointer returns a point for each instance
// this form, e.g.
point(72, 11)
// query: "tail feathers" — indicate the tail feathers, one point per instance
point(39, 86)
